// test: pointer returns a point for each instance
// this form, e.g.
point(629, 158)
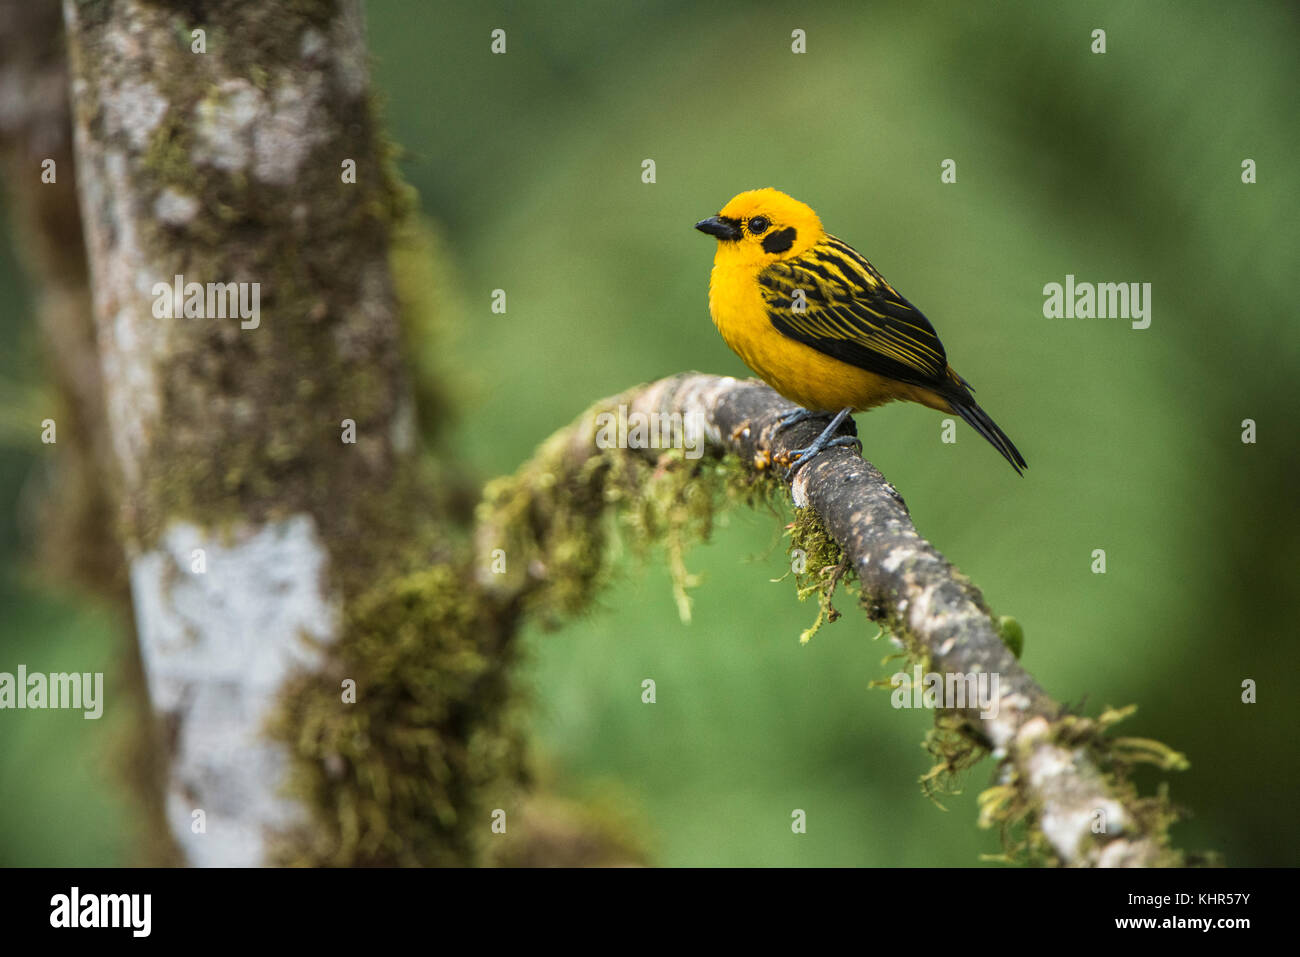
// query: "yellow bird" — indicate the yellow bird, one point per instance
point(814, 319)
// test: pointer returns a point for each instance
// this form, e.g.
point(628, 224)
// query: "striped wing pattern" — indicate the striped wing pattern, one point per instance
point(850, 313)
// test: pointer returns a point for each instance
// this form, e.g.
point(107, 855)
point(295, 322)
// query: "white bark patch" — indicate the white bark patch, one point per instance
point(284, 140)
point(1068, 816)
point(223, 125)
point(799, 489)
point(352, 63)
point(217, 647)
point(311, 45)
point(894, 560)
point(1002, 729)
point(174, 207)
point(240, 128)
point(134, 110)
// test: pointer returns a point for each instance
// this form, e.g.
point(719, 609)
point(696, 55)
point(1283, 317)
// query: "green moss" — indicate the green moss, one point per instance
point(819, 567)
point(543, 526)
point(167, 156)
point(248, 36)
point(954, 751)
point(406, 774)
point(555, 521)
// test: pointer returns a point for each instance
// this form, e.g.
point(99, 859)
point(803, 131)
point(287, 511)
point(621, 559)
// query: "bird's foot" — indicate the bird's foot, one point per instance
point(797, 458)
point(780, 425)
point(763, 456)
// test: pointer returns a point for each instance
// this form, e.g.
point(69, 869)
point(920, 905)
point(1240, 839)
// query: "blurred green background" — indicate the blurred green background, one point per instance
point(1117, 167)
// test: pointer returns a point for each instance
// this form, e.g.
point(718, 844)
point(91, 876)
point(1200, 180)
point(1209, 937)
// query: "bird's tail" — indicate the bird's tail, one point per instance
point(966, 406)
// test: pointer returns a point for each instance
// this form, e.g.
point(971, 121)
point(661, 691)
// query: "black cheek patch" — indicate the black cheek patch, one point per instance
point(780, 241)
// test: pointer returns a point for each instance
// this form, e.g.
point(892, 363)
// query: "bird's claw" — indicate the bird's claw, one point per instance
point(796, 459)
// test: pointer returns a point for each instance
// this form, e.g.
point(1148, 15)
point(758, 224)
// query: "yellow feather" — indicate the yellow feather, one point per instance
point(816, 321)
point(797, 371)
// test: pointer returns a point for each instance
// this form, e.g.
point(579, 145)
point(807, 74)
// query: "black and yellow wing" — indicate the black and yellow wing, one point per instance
point(832, 299)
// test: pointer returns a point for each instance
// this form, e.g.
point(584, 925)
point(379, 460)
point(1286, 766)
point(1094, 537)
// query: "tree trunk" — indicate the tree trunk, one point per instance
point(250, 517)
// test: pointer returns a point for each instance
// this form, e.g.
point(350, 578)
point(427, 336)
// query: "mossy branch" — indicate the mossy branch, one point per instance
point(1062, 786)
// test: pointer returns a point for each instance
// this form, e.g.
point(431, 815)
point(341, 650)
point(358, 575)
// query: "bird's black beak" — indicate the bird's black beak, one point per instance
point(721, 226)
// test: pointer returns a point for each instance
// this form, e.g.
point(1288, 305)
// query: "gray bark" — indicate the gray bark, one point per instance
point(223, 166)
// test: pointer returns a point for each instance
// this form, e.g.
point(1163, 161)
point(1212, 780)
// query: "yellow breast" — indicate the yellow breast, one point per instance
point(800, 373)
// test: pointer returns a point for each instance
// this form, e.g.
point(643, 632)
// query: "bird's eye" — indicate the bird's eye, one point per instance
point(758, 225)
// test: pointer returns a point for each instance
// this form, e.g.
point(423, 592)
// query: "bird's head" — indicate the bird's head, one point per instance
point(762, 226)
